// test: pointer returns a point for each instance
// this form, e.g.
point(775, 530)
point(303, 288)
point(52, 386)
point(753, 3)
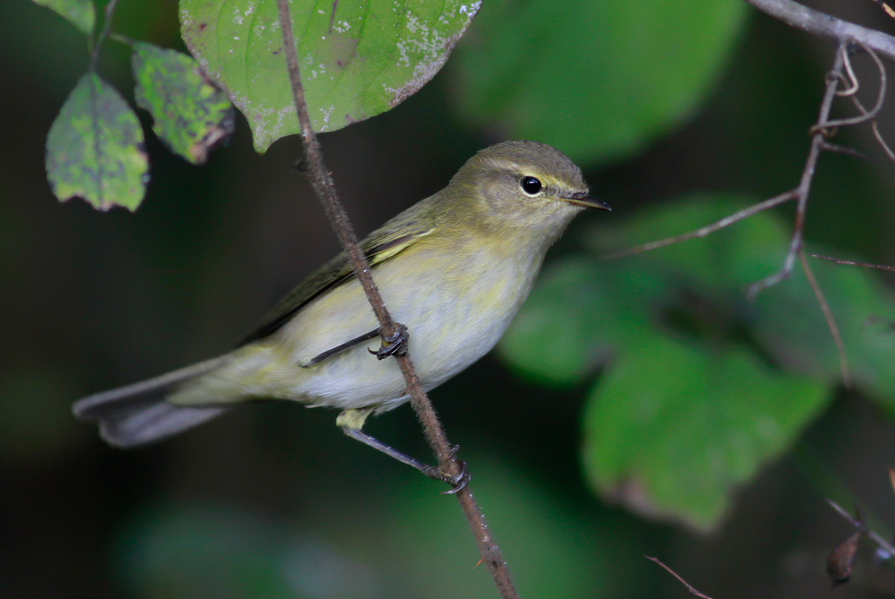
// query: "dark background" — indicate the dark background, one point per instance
point(271, 500)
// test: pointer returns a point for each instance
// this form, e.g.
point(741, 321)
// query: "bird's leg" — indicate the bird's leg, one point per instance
point(393, 345)
point(350, 421)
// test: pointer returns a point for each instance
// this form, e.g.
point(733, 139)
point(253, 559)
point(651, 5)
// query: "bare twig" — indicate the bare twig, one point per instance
point(837, 149)
point(708, 229)
point(852, 80)
point(676, 575)
point(325, 190)
point(850, 263)
point(103, 34)
point(804, 187)
point(826, 26)
point(831, 320)
point(866, 115)
point(880, 542)
point(873, 124)
point(882, 143)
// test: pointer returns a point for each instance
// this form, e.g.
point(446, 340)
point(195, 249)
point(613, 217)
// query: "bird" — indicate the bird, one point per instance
point(453, 269)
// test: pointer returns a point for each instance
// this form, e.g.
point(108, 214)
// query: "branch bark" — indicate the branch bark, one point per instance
point(827, 26)
point(325, 190)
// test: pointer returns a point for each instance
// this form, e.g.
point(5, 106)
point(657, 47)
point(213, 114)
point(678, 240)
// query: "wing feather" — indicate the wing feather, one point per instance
point(383, 244)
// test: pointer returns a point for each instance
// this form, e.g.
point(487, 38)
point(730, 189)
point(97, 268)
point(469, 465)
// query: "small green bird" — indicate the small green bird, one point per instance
point(454, 269)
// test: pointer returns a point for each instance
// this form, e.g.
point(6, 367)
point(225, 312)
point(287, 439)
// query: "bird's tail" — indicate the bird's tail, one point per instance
point(138, 414)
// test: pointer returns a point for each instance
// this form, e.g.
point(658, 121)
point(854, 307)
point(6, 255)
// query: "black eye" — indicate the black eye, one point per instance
point(530, 185)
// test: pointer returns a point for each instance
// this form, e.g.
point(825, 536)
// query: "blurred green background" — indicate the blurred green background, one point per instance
point(272, 500)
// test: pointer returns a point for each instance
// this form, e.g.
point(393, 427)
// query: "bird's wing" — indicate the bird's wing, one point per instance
point(378, 247)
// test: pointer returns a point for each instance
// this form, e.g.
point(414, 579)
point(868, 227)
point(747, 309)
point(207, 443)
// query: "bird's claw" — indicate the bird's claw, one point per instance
point(392, 345)
point(458, 481)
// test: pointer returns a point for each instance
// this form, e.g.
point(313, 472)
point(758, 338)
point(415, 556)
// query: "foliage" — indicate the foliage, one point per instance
point(190, 113)
point(700, 387)
point(597, 79)
point(358, 59)
point(95, 148)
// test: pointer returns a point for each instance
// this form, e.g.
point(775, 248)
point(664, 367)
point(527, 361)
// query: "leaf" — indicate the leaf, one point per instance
point(95, 148)
point(80, 13)
point(190, 113)
point(600, 80)
point(672, 430)
point(685, 355)
point(357, 59)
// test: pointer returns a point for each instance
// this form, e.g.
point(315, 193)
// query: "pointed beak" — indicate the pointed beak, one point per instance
point(587, 201)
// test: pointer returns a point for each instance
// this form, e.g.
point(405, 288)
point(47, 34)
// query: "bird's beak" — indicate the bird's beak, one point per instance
point(587, 201)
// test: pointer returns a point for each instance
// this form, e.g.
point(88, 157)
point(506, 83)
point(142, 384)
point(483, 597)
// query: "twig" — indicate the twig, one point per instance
point(675, 574)
point(325, 190)
point(827, 26)
point(866, 115)
point(880, 542)
point(850, 263)
point(804, 187)
point(831, 320)
point(706, 230)
point(103, 34)
point(873, 124)
point(837, 149)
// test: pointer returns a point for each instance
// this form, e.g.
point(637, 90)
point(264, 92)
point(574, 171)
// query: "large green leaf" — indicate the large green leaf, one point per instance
point(95, 148)
point(673, 429)
point(598, 79)
point(698, 380)
point(358, 59)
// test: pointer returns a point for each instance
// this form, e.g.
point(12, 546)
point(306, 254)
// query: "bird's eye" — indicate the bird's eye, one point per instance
point(530, 185)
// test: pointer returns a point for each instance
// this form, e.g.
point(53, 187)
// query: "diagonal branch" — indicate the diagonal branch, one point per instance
point(706, 230)
point(325, 190)
point(824, 25)
point(852, 263)
point(804, 187)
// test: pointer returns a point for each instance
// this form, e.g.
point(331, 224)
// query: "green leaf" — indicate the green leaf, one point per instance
point(598, 79)
point(790, 324)
point(190, 113)
point(80, 13)
point(95, 148)
point(357, 59)
point(678, 340)
point(673, 430)
point(571, 323)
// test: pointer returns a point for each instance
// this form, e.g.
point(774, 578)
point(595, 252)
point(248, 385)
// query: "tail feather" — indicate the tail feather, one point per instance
point(139, 414)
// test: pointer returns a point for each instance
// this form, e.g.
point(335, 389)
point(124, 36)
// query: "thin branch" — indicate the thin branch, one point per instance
point(325, 190)
point(850, 263)
point(676, 575)
point(880, 542)
point(837, 149)
point(804, 187)
point(866, 115)
point(831, 320)
point(103, 34)
point(873, 123)
point(853, 84)
point(708, 229)
point(882, 143)
point(826, 26)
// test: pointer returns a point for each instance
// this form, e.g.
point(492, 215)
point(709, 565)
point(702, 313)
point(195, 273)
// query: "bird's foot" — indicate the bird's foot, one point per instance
point(457, 481)
point(394, 344)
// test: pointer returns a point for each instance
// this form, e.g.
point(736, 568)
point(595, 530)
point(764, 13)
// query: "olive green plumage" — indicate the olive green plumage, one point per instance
point(454, 268)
